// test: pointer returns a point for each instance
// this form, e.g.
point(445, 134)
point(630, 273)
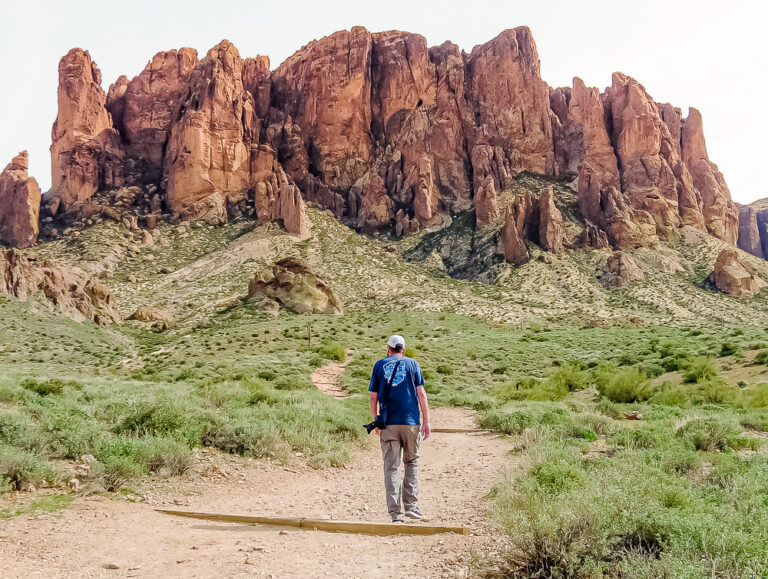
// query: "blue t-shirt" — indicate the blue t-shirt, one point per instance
point(402, 403)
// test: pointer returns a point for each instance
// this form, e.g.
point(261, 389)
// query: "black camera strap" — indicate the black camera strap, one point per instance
point(388, 383)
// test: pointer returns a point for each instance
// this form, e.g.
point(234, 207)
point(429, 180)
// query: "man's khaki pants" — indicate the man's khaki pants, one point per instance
point(397, 439)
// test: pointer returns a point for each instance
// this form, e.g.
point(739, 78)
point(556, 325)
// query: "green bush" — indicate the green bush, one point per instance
point(708, 434)
point(19, 467)
point(571, 377)
point(700, 370)
point(762, 357)
point(756, 397)
point(246, 438)
point(629, 385)
point(729, 349)
point(670, 394)
point(50, 387)
point(445, 370)
point(333, 351)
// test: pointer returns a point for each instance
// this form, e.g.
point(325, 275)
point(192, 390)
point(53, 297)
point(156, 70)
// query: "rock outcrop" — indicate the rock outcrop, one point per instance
point(528, 218)
point(620, 271)
point(292, 284)
point(387, 134)
point(749, 231)
point(85, 149)
point(69, 289)
point(734, 277)
point(19, 204)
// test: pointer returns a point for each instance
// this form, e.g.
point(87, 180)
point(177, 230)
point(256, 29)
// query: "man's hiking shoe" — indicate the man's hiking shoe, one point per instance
point(414, 514)
point(398, 519)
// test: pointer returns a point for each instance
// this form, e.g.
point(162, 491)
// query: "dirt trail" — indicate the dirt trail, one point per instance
point(326, 378)
point(457, 472)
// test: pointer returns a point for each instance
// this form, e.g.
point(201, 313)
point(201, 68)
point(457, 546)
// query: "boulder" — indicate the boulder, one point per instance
point(19, 204)
point(74, 293)
point(152, 314)
point(620, 270)
point(295, 286)
point(735, 277)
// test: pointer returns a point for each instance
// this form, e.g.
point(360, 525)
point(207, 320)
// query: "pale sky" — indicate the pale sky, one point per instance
point(710, 54)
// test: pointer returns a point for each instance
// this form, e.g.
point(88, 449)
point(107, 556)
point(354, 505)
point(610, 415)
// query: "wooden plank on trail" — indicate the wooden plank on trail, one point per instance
point(467, 430)
point(325, 524)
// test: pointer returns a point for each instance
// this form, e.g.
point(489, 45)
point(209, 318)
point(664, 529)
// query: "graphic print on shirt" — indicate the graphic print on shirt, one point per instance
point(399, 377)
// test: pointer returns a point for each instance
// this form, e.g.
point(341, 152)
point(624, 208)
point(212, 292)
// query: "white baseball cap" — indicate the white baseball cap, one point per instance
point(395, 341)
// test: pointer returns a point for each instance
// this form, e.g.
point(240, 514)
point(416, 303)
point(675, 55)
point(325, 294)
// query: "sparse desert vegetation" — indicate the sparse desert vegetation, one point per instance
point(595, 492)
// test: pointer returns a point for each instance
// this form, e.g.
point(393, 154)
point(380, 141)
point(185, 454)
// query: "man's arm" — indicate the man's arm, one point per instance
point(426, 429)
point(374, 403)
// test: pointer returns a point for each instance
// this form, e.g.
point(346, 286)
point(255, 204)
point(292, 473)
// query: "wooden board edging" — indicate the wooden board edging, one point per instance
point(381, 529)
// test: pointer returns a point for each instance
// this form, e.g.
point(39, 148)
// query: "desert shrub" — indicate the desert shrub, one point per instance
point(444, 370)
point(247, 438)
point(642, 438)
point(762, 357)
point(729, 349)
point(549, 389)
point(71, 432)
point(756, 397)
point(48, 387)
point(517, 390)
point(609, 409)
point(652, 369)
point(20, 467)
point(159, 418)
point(713, 391)
point(505, 421)
point(708, 434)
point(17, 428)
point(293, 382)
point(669, 394)
point(556, 476)
point(571, 377)
point(629, 385)
point(164, 455)
point(699, 370)
point(267, 375)
point(333, 351)
point(680, 461)
point(755, 420)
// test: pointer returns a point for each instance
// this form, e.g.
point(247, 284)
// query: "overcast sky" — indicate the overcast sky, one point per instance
point(710, 54)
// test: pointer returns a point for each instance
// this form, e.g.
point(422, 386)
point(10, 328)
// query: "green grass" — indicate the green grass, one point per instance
point(44, 504)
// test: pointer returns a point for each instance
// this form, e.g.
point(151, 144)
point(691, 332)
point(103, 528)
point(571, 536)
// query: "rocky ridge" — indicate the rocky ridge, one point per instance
point(387, 134)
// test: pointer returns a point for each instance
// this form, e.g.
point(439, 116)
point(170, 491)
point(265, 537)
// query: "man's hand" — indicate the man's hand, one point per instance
point(425, 430)
point(377, 431)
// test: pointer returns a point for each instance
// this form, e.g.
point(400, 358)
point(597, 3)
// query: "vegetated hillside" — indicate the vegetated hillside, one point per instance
point(544, 352)
point(196, 272)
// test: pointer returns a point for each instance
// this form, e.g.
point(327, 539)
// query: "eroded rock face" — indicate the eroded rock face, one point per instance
point(209, 147)
point(734, 277)
point(384, 132)
point(69, 289)
point(749, 232)
point(145, 108)
point(720, 213)
point(295, 286)
point(19, 204)
point(85, 149)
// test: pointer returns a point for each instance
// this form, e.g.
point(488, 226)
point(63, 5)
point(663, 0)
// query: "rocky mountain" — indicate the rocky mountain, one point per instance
point(387, 134)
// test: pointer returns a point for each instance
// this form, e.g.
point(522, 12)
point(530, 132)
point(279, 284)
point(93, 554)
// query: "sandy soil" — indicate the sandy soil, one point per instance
point(326, 378)
point(457, 472)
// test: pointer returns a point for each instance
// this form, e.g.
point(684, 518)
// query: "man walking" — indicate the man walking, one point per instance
point(399, 381)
